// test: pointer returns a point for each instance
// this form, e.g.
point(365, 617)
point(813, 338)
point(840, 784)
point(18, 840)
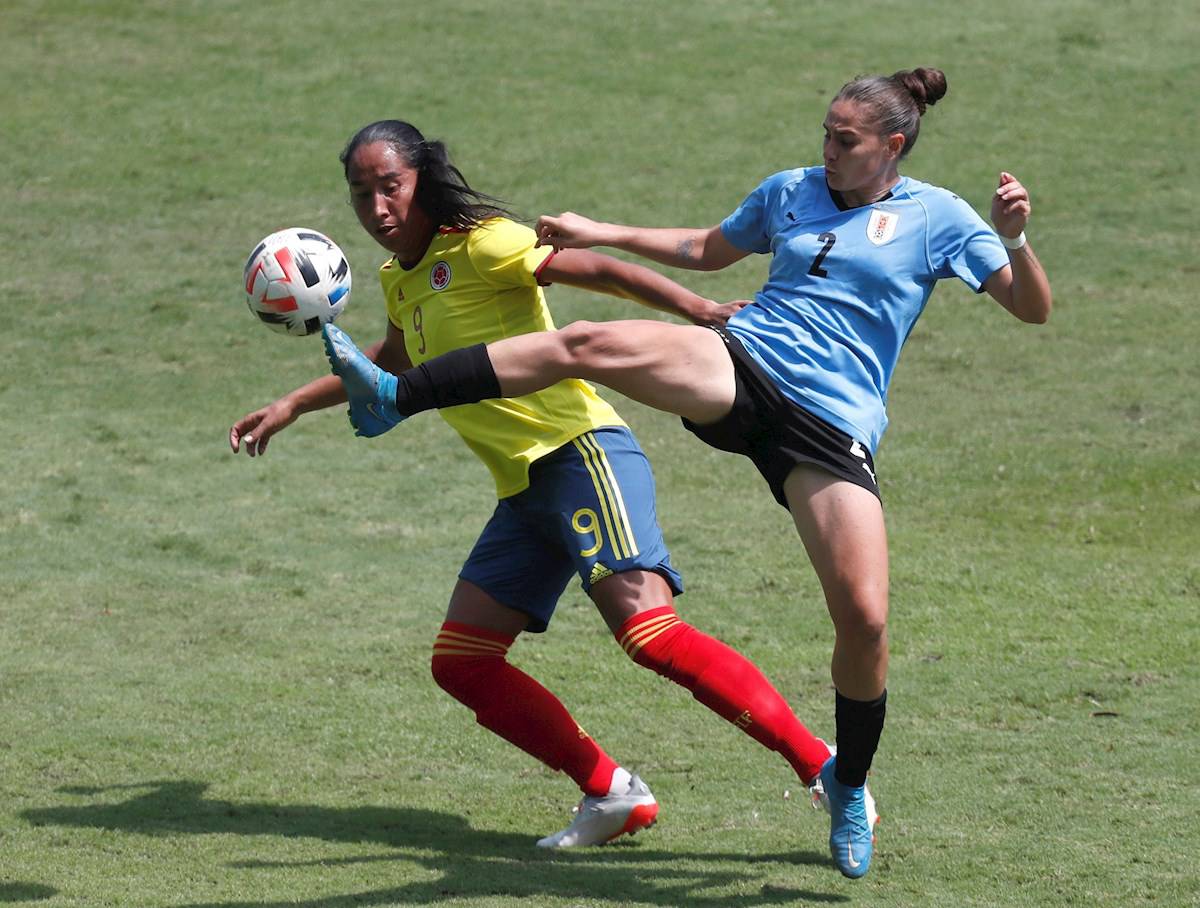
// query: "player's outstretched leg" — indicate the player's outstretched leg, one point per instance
point(851, 834)
point(601, 819)
point(372, 391)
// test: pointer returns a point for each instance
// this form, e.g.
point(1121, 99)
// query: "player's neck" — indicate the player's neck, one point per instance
point(867, 195)
point(410, 252)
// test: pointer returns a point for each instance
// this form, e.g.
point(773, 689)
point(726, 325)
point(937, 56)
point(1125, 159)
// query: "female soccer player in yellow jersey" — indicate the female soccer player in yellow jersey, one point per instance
point(576, 495)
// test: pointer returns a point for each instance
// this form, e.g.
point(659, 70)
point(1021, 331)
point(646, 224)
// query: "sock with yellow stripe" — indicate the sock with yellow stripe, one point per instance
point(469, 664)
point(725, 681)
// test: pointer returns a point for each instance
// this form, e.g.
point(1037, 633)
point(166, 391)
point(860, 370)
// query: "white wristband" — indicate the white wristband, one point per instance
point(1012, 242)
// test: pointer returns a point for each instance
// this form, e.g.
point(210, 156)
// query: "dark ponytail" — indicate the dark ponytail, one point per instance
point(898, 101)
point(442, 191)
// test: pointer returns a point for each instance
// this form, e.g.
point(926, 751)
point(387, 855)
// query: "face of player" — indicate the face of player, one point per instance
point(382, 190)
point(859, 162)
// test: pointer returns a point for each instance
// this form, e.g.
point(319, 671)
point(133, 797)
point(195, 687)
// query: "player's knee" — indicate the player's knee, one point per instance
point(462, 676)
point(659, 661)
point(864, 631)
point(862, 619)
point(444, 672)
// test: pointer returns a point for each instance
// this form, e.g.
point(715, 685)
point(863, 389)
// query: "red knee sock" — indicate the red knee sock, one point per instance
point(469, 664)
point(723, 680)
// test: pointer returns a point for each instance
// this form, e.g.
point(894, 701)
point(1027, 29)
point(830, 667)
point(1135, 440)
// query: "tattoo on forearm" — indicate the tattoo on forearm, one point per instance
point(684, 249)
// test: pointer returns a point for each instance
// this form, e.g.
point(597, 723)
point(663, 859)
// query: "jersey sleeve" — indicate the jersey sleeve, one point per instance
point(749, 227)
point(961, 244)
point(505, 253)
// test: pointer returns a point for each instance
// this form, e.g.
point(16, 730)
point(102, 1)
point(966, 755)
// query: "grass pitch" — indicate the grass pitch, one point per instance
point(213, 671)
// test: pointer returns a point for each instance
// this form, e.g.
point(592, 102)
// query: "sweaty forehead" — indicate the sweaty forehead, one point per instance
point(846, 116)
point(376, 161)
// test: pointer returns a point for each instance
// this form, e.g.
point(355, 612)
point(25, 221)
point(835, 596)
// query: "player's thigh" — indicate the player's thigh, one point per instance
point(599, 494)
point(842, 527)
point(622, 596)
point(472, 605)
point(515, 569)
point(681, 369)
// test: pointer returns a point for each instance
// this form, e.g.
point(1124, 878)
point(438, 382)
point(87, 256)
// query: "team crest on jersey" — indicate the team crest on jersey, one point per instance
point(881, 226)
point(439, 276)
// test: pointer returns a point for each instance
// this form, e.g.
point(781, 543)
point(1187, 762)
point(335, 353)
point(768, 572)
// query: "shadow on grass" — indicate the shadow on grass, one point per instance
point(470, 862)
point(25, 892)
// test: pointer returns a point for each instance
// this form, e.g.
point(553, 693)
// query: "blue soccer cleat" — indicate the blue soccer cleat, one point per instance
point(851, 839)
point(372, 391)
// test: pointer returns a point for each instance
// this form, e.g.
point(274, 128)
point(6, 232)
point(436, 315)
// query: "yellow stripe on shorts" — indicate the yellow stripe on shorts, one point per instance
point(599, 480)
point(621, 516)
point(630, 540)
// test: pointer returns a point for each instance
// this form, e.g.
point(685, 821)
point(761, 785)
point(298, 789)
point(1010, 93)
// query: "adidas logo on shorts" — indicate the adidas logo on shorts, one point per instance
point(599, 572)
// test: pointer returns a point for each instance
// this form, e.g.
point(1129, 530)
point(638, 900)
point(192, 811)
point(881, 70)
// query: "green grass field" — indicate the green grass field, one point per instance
point(214, 684)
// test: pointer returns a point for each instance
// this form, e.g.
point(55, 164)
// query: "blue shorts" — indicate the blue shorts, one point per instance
point(589, 510)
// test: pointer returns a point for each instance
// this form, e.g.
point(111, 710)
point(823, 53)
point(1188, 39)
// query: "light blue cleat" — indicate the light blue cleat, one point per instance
point(372, 391)
point(851, 838)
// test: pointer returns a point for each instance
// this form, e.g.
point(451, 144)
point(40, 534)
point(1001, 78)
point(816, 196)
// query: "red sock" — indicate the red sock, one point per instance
point(725, 681)
point(469, 664)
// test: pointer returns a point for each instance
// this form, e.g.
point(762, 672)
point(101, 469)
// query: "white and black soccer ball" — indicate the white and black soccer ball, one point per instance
point(296, 280)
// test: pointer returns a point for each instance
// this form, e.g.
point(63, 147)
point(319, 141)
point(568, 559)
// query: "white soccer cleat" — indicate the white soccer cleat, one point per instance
point(602, 819)
point(816, 792)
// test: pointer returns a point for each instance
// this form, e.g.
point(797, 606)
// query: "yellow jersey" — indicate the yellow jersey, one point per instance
point(478, 286)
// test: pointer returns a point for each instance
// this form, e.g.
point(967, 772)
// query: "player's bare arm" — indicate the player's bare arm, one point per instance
point(697, 249)
point(254, 431)
point(1022, 288)
point(605, 274)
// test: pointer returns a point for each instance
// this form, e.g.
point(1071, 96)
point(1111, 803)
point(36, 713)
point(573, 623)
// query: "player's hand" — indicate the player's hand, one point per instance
point(569, 231)
point(715, 315)
point(255, 429)
point(1010, 206)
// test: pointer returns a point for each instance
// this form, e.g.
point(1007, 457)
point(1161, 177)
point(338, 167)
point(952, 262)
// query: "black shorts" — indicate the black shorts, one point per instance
point(778, 434)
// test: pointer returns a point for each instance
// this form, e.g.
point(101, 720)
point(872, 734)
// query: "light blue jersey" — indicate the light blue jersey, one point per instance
point(847, 284)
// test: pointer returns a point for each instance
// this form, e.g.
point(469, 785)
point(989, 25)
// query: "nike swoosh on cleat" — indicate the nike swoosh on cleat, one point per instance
point(371, 409)
point(850, 857)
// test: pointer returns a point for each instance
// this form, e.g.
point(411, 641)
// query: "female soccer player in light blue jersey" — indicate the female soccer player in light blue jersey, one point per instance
point(797, 381)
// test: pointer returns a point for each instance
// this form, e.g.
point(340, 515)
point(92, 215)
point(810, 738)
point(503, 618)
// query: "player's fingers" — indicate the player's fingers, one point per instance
point(242, 428)
point(256, 443)
point(546, 228)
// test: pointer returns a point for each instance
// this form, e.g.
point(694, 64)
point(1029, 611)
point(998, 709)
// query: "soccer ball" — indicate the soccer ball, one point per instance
point(297, 280)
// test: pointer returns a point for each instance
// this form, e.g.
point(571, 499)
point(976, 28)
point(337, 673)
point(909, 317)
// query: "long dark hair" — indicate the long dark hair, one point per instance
point(897, 101)
point(442, 191)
